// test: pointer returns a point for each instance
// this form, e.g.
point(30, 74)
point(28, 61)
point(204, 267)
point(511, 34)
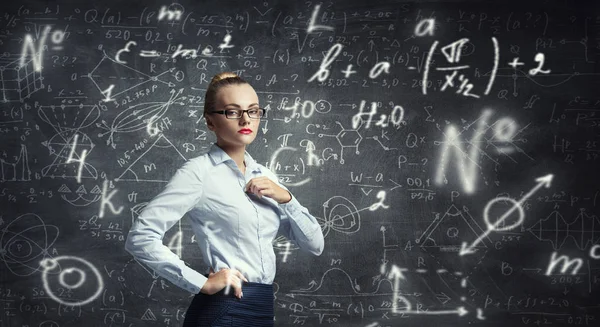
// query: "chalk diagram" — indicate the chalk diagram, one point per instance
point(68, 120)
point(447, 232)
point(25, 241)
point(340, 215)
point(584, 230)
point(558, 79)
point(139, 116)
point(72, 273)
point(17, 171)
point(81, 197)
point(145, 168)
point(347, 138)
point(351, 138)
point(387, 297)
point(348, 299)
point(19, 83)
point(111, 86)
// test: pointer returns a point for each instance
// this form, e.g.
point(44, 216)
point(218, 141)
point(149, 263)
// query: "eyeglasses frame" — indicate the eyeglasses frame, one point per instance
point(223, 112)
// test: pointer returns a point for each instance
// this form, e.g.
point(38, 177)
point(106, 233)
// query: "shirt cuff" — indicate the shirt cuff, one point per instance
point(195, 281)
point(292, 207)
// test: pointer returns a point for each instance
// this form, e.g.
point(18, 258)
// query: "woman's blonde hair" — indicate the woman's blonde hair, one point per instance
point(218, 81)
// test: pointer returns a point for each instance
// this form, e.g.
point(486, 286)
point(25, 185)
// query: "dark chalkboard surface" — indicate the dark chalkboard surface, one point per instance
point(449, 150)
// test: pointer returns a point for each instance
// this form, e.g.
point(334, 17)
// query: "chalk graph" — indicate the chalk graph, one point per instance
point(584, 230)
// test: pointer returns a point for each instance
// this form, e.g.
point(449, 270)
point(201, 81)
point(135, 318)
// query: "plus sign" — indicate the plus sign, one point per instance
point(516, 63)
point(348, 71)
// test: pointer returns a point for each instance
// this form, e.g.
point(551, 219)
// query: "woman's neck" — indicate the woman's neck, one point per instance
point(236, 154)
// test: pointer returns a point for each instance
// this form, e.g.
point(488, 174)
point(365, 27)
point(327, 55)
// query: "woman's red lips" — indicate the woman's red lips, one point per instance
point(245, 131)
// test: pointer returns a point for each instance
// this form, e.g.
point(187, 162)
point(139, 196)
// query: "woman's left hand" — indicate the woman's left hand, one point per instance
point(264, 186)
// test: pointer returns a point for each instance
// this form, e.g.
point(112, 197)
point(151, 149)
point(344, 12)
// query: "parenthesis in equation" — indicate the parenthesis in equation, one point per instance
point(287, 51)
point(104, 297)
point(394, 58)
point(508, 21)
point(122, 297)
point(247, 22)
point(358, 58)
point(185, 21)
point(142, 16)
point(275, 23)
point(303, 166)
point(348, 310)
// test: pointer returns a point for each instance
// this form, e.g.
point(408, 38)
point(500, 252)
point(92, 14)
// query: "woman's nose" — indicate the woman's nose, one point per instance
point(245, 116)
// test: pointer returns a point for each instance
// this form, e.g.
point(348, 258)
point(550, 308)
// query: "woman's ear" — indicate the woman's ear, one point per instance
point(209, 123)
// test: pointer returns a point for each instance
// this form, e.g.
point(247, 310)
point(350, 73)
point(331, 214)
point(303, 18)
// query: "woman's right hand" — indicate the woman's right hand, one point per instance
point(224, 278)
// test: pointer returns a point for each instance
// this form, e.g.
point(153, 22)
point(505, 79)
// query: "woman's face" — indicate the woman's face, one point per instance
point(238, 96)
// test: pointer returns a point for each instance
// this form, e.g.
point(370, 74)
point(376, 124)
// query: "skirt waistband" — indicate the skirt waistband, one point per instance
point(249, 289)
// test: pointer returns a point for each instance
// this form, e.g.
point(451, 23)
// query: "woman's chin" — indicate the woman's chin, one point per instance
point(247, 139)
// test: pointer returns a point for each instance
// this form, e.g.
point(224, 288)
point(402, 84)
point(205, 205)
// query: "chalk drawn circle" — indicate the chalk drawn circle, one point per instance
point(322, 106)
point(494, 226)
point(63, 282)
point(20, 249)
point(49, 323)
point(340, 215)
point(49, 265)
point(24, 240)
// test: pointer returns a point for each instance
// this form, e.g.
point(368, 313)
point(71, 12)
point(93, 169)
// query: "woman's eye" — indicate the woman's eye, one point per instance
point(232, 112)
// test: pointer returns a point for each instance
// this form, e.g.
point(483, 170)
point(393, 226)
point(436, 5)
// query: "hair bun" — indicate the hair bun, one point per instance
point(222, 76)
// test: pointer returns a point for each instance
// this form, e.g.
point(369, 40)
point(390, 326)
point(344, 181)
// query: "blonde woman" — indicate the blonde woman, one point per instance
point(236, 208)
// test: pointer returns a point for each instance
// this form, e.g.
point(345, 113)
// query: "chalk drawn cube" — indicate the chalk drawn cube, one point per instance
point(17, 82)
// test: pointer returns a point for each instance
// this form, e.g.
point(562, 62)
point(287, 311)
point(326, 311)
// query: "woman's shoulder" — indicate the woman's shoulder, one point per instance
point(197, 164)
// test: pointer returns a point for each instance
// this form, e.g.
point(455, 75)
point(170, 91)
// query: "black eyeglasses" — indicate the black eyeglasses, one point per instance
point(254, 113)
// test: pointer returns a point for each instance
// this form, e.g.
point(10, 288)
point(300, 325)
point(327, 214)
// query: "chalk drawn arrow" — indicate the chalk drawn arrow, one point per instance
point(469, 249)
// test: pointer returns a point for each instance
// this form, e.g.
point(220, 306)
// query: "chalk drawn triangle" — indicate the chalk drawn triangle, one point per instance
point(449, 231)
point(149, 315)
point(156, 164)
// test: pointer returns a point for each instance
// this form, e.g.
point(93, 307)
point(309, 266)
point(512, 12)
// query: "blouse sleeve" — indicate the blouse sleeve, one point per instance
point(299, 226)
point(145, 238)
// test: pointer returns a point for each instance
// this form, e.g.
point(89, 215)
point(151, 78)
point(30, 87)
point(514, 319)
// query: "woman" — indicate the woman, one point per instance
point(236, 208)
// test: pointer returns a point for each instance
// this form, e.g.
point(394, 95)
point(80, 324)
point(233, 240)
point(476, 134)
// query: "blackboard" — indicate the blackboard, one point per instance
point(448, 149)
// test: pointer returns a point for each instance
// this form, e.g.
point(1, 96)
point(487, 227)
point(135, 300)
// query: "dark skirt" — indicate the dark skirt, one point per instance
point(254, 309)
